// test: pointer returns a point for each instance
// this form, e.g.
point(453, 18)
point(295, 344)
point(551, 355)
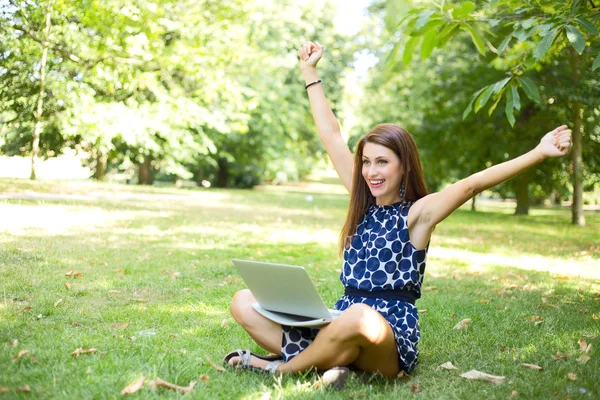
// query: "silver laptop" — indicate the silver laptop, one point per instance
point(285, 294)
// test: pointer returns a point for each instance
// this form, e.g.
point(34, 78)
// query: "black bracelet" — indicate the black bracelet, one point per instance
point(312, 83)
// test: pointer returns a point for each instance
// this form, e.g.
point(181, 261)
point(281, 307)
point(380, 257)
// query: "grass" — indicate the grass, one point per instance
point(158, 260)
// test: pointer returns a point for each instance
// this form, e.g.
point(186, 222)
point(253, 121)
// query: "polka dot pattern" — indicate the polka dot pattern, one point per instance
point(380, 257)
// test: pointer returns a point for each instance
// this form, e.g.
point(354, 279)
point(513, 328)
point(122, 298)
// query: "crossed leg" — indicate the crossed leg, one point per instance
point(361, 337)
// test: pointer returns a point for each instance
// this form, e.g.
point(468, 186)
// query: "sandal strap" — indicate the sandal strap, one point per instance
point(245, 356)
point(272, 366)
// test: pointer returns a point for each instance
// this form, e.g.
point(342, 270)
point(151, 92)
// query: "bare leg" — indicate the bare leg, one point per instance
point(360, 337)
point(266, 333)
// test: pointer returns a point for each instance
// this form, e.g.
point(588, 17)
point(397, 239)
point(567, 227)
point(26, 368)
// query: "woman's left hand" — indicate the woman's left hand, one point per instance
point(556, 143)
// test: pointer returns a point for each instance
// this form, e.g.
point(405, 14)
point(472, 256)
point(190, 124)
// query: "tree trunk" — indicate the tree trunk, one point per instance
point(522, 193)
point(473, 205)
point(577, 217)
point(100, 167)
point(223, 173)
point(37, 130)
point(145, 176)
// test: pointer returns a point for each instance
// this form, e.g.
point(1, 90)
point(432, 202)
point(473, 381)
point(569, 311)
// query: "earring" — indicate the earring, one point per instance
point(402, 191)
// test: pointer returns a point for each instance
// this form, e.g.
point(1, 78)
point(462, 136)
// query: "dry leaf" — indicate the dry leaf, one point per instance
point(119, 271)
point(175, 274)
point(462, 324)
point(423, 311)
point(204, 378)
point(4, 389)
point(429, 288)
point(224, 323)
point(159, 382)
point(187, 289)
point(560, 356)
point(57, 302)
point(514, 393)
point(26, 308)
point(447, 366)
point(20, 354)
point(120, 326)
point(114, 291)
point(132, 338)
point(532, 318)
point(594, 316)
point(403, 374)
point(571, 376)
point(584, 346)
point(68, 285)
point(532, 366)
point(562, 278)
point(174, 335)
point(473, 374)
point(583, 359)
point(34, 358)
point(81, 351)
point(24, 389)
point(415, 388)
point(74, 274)
point(88, 370)
point(484, 301)
point(215, 366)
point(134, 386)
point(14, 342)
point(139, 300)
point(538, 323)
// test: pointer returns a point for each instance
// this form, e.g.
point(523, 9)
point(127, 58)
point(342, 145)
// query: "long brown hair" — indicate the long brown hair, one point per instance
point(398, 140)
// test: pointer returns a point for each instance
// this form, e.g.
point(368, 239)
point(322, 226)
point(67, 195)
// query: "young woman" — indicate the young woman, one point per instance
point(384, 242)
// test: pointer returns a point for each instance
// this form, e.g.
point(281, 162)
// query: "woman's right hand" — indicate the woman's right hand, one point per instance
point(310, 53)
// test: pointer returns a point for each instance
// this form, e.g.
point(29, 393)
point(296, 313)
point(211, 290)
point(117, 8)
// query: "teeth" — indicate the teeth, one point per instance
point(377, 182)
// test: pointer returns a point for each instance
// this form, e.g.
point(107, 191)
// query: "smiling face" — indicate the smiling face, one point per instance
point(382, 171)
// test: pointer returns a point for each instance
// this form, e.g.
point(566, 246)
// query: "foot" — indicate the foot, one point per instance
point(254, 361)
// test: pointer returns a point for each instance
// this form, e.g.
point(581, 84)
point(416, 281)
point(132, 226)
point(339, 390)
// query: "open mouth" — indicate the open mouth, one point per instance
point(375, 183)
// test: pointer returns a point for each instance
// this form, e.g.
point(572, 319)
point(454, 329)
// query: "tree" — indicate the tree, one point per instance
point(538, 33)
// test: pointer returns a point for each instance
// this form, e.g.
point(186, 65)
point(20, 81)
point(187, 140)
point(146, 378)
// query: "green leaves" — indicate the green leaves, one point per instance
point(596, 63)
point(508, 109)
point(545, 44)
point(587, 25)
point(529, 88)
point(476, 38)
point(463, 9)
point(575, 38)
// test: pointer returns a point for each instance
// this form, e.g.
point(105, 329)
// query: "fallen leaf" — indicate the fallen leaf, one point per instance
point(429, 288)
point(514, 393)
point(57, 302)
point(134, 386)
point(14, 342)
point(20, 354)
point(415, 388)
point(215, 366)
point(187, 289)
point(34, 358)
point(484, 301)
point(88, 370)
point(26, 308)
point(503, 347)
point(560, 356)
point(423, 311)
point(204, 378)
point(462, 324)
point(119, 271)
point(538, 323)
point(594, 316)
point(224, 323)
point(562, 278)
point(447, 366)
point(583, 359)
point(114, 291)
point(532, 366)
point(132, 338)
point(74, 274)
point(532, 318)
point(81, 351)
point(24, 389)
point(139, 300)
point(159, 382)
point(403, 374)
point(571, 376)
point(174, 335)
point(68, 285)
point(474, 374)
point(4, 389)
point(175, 274)
point(39, 316)
point(120, 326)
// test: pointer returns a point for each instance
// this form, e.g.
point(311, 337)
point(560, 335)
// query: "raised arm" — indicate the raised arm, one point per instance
point(328, 127)
point(434, 208)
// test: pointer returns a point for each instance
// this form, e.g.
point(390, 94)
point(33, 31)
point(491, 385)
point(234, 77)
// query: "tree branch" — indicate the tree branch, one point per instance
point(53, 46)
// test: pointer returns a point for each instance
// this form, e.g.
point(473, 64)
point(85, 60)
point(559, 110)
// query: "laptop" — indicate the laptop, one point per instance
point(285, 294)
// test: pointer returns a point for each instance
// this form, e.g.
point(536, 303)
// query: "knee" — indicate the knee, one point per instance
point(361, 322)
point(241, 304)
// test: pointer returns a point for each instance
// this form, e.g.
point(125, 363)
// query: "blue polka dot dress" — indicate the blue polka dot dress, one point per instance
point(380, 257)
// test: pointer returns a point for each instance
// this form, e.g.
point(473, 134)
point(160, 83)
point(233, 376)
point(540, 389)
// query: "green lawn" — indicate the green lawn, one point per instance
point(158, 260)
